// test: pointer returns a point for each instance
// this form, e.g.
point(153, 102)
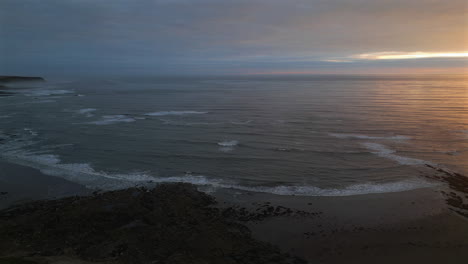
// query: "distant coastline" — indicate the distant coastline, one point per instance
point(12, 78)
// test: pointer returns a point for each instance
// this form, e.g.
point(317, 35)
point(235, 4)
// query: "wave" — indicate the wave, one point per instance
point(112, 119)
point(230, 143)
point(359, 136)
point(30, 131)
point(357, 189)
point(15, 149)
point(384, 152)
point(84, 174)
point(165, 113)
point(88, 112)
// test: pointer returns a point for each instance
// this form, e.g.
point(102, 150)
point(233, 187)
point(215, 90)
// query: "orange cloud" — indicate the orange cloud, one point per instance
point(393, 55)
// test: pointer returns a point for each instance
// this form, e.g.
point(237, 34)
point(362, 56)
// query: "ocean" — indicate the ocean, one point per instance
point(296, 135)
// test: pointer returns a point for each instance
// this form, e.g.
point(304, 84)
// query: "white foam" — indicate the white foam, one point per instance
point(4, 116)
point(228, 146)
point(112, 119)
point(88, 112)
point(86, 175)
point(165, 113)
point(384, 152)
point(16, 150)
point(230, 143)
point(359, 136)
point(357, 189)
point(32, 132)
point(83, 173)
point(307, 190)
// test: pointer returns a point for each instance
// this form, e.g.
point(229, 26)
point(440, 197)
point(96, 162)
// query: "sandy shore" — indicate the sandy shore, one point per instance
point(19, 184)
point(376, 228)
point(411, 226)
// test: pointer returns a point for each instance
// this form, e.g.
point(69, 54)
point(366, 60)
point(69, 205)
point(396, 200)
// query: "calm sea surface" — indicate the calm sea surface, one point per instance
point(316, 135)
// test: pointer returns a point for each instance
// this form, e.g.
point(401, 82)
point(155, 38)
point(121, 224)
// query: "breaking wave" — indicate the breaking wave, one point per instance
point(384, 152)
point(88, 112)
point(15, 149)
point(357, 189)
point(84, 174)
point(230, 143)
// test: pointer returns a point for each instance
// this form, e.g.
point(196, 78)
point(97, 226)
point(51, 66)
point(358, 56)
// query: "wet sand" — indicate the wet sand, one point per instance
point(411, 226)
point(19, 184)
point(376, 228)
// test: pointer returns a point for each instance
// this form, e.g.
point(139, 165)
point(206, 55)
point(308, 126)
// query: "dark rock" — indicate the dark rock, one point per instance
point(9, 79)
point(458, 184)
point(263, 212)
point(172, 223)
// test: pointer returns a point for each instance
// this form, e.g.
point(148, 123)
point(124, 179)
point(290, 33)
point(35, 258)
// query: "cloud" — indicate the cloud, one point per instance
point(394, 55)
point(205, 36)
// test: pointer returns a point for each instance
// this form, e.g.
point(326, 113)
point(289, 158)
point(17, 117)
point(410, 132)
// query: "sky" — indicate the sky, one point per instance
point(218, 37)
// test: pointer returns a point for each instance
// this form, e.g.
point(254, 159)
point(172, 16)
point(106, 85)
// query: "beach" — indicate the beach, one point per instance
point(20, 184)
point(386, 228)
point(233, 132)
point(399, 227)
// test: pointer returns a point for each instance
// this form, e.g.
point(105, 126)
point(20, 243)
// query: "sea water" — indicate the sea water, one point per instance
point(295, 135)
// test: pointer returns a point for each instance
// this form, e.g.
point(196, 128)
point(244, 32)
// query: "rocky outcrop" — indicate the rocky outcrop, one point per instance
point(173, 223)
point(10, 79)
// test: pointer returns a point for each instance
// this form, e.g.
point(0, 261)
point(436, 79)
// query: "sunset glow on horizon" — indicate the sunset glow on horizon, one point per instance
point(410, 55)
point(220, 37)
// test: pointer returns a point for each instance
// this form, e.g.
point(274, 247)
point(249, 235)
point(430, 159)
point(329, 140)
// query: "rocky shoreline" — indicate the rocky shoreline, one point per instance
point(457, 196)
point(172, 223)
